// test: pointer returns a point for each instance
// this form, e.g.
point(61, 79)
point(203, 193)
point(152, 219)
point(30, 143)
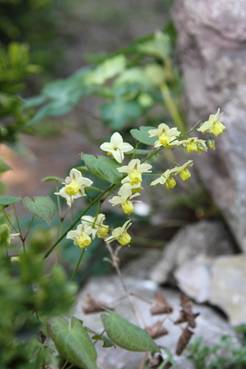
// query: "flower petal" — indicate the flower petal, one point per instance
point(106, 146)
point(116, 139)
point(118, 155)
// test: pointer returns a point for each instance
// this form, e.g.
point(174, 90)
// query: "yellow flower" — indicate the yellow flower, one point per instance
point(80, 236)
point(166, 136)
point(74, 186)
point(124, 198)
point(134, 171)
point(213, 125)
point(194, 144)
point(170, 183)
point(166, 179)
point(116, 147)
point(121, 234)
point(95, 225)
point(183, 170)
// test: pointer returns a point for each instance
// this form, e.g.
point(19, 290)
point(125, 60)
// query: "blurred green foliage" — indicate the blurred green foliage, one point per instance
point(33, 22)
point(15, 67)
point(132, 83)
point(226, 354)
point(30, 295)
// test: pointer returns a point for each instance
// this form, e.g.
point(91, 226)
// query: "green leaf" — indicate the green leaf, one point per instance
point(41, 206)
point(9, 200)
point(4, 167)
point(142, 135)
point(105, 340)
point(73, 342)
point(106, 70)
point(59, 97)
point(127, 335)
point(159, 46)
point(119, 113)
point(102, 167)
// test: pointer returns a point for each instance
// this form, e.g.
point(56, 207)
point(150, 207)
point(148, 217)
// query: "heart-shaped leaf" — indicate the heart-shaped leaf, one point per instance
point(127, 335)
point(142, 135)
point(102, 167)
point(73, 342)
point(41, 206)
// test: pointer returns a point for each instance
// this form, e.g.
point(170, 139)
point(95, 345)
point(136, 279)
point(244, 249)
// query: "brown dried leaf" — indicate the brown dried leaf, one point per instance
point(185, 303)
point(92, 305)
point(183, 340)
point(186, 313)
point(161, 305)
point(157, 329)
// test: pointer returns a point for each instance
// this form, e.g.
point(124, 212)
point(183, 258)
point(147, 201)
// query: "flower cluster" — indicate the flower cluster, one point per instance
point(168, 177)
point(92, 227)
point(74, 186)
point(130, 182)
point(166, 136)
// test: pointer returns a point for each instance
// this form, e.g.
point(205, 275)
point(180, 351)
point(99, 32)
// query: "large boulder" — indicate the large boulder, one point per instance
point(220, 281)
point(212, 53)
point(204, 238)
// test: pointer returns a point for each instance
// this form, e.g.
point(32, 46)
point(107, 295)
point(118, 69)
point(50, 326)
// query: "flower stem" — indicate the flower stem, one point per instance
point(100, 197)
point(78, 264)
point(171, 107)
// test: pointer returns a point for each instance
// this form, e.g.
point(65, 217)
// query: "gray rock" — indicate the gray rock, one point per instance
point(203, 238)
point(228, 287)
point(220, 281)
point(194, 278)
point(109, 290)
point(211, 48)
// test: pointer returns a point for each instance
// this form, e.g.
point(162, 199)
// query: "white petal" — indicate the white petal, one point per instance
point(116, 139)
point(126, 147)
point(157, 181)
point(71, 235)
point(146, 168)
point(118, 155)
point(110, 239)
point(117, 232)
point(106, 146)
point(126, 225)
point(100, 218)
point(115, 201)
point(163, 127)
point(67, 180)
point(125, 191)
point(152, 132)
point(123, 169)
point(84, 181)
point(75, 174)
point(125, 180)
